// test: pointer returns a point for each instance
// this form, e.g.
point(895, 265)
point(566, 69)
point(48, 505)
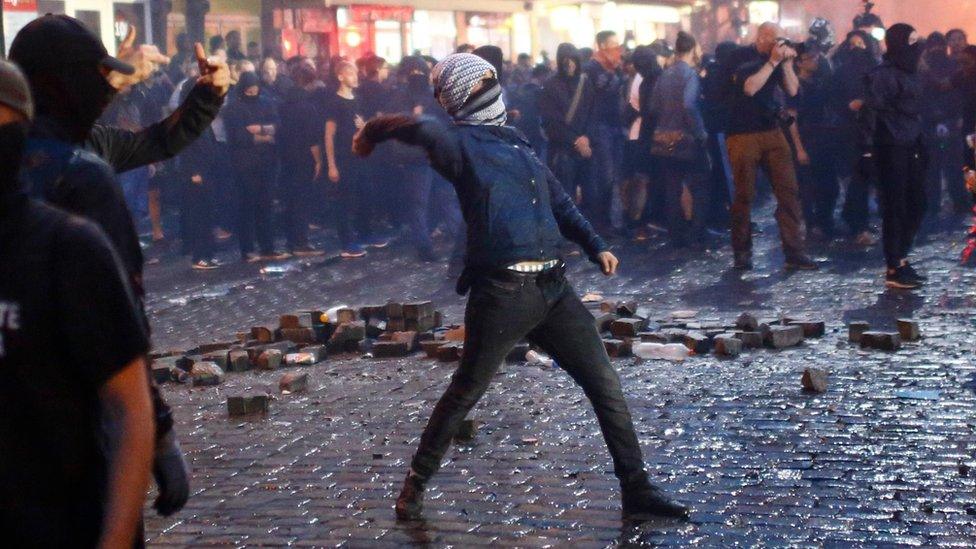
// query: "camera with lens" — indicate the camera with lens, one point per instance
point(786, 42)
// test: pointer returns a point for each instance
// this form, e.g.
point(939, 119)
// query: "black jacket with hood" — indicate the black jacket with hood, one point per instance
point(894, 94)
point(557, 97)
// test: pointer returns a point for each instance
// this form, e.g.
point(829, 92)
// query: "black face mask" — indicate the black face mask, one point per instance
point(13, 138)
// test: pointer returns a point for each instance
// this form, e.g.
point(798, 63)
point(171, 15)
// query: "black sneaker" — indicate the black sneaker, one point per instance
point(644, 498)
point(743, 262)
point(410, 503)
point(801, 263)
point(910, 271)
point(901, 279)
point(427, 255)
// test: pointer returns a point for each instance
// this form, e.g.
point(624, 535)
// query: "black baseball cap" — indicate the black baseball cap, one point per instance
point(53, 42)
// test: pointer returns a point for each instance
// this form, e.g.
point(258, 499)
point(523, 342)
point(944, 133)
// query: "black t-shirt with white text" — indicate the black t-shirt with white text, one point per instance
point(68, 323)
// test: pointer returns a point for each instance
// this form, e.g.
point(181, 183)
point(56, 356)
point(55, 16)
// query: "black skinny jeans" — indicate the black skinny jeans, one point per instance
point(504, 309)
point(198, 218)
point(901, 192)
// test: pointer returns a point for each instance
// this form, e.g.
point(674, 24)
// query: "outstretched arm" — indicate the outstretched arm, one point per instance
point(126, 150)
point(426, 132)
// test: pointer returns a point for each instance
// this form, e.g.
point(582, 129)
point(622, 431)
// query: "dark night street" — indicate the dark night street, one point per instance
point(883, 457)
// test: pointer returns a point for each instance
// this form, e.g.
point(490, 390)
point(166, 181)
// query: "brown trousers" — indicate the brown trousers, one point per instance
point(769, 150)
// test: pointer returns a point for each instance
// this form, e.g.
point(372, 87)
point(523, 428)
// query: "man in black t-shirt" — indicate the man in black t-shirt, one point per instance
point(756, 139)
point(76, 434)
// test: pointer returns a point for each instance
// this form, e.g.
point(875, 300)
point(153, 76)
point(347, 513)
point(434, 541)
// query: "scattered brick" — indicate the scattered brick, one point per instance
point(244, 405)
point(293, 382)
point(882, 341)
point(855, 330)
point(814, 380)
point(909, 330)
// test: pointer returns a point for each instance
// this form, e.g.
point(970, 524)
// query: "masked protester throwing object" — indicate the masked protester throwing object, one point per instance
point(517, 215)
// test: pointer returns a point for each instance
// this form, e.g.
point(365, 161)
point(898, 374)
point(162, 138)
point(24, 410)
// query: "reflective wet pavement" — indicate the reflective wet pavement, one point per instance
point(883, 457)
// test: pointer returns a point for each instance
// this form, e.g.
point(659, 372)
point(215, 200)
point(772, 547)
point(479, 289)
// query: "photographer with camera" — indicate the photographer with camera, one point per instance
point(756, 139)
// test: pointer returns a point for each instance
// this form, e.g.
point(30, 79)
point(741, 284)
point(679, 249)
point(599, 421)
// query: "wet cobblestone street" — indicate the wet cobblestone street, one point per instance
point(882, 458)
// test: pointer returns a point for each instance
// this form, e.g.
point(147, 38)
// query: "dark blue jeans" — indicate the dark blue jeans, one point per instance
point(431, 199)
point(607, 149)
point(504, 309)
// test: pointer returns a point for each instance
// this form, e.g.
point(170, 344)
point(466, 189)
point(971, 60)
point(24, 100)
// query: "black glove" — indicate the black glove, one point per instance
point(172, 476)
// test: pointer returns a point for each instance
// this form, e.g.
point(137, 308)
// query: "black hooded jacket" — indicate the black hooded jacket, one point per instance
point(894, 94)
point(557, 97)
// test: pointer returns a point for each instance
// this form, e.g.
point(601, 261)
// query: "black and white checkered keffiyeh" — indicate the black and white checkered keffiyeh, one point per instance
point(455, 77)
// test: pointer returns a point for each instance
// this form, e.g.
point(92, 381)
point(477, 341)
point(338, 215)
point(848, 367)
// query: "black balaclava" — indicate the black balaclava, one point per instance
point(248, 80)
point(900, 53)
point(416, 75)
point(565, 52)
point(75, 97)
point(495, 56)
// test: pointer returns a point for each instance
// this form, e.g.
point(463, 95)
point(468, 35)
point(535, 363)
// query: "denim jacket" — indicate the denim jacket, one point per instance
point(514, 207)
point(675, 101)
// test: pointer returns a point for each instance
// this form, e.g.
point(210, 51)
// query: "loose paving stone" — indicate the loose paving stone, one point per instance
point(814, 380)
point(220, 358)
point(450, 352)
point(162, 373)
point(781, 337)
point(269, 359)
point(603, 321)
point(296, 335)
point(262, 334)
point(243, 405)
point(750, 340)
point(617, 348)
point(855, 330)
point(747, 322)
point(908, 330)
point(728, 345)
point(627, 327)
point(882, 341)
point(811, 328)
point(390, 349)
point(293, 382)
point(430, 347)
point(206, 374)
point(654, 337)
point(697, 343)
point(239, 360)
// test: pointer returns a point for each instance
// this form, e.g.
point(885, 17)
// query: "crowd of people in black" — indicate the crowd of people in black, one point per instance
point(658, 141)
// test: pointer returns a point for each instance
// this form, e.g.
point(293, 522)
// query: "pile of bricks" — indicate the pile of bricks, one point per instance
point(307, 337)
point(622, 328)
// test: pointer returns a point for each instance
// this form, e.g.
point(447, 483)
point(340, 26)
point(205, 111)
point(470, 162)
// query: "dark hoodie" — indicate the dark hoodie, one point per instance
point(645, 62)
point(894, 94)
point(557, 96)
point(851, 68)
point(245, 111)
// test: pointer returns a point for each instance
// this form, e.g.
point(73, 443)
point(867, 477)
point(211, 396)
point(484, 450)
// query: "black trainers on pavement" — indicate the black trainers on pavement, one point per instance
point(801, 263)
point(910, 271)
point(644, 498)
point(900, 279)
point(410, 503)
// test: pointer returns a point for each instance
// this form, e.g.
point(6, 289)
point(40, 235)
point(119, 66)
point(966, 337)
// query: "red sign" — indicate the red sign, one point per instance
point(20, 5)
point(362, 14)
